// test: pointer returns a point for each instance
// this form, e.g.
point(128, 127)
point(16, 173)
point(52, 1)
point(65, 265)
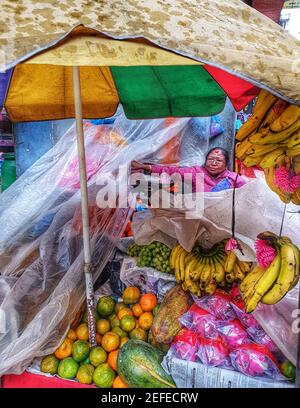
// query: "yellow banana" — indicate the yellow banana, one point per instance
point(196, 273)
point(173, 256)
point(230, 277)
point(211, 287)
point(259, 150)
point(189, 268)
point(295, 199)
point(206, 273)
point(269, 175)
point(256, 119)
point(293, 151)
point(252, 161)
point(269, 159)
point(286, 119)
point(296, 162)
point(240, 275)
point(219, 273)
point(241, 148)
point(177, 263)
point(297, 273)
point(278, 137)
point(188, 258)
point(251, 278)
point(293, 140)
point(288, 271)
point(245, 266)
point(230, 261)
point(260, 100)
point(274, 113)
point(183, 255)
point(264, 283)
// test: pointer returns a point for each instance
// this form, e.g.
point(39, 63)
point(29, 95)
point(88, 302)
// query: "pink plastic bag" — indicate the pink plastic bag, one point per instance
point(200, 321)
point(213, 352)
point(219, 305)
point(185, 345)
point(255, 360)
point(259, 336)
point(233, 333)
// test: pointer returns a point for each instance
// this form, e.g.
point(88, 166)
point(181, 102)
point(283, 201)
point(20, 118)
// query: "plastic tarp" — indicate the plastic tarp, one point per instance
point(42, 286)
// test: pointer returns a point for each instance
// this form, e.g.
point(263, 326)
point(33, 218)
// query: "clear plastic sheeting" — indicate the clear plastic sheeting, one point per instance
point(42, 285)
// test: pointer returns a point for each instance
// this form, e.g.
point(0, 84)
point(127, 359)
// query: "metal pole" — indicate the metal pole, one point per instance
point(84, 209)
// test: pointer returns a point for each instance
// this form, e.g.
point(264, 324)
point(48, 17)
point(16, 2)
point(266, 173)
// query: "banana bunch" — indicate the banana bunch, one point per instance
point(270, 139)
point(271, 284)
point(202, 271)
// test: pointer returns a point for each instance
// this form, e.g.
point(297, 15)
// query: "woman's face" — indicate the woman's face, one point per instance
point(215, 162)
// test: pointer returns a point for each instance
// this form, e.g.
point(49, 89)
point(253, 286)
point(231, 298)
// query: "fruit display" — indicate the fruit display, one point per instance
point(201, 271)
point(139, 365)
point(166, 324)
point(155, 255)
point(270, 139)
point(277, 271)
point(116, 323)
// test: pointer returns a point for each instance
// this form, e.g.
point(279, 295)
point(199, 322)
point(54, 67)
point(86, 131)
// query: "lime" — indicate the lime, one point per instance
point(105, 306)
point(49, 364)
point(104, 376)
point(98, 356)
point(81, 350)
point(67, 368)
point(288, 370)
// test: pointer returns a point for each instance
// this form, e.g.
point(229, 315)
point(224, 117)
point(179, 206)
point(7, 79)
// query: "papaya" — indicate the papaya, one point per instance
point(139, 366)
point(166, 324)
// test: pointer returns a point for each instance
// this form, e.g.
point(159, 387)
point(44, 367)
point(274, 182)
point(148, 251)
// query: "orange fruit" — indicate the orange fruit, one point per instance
point(102, 326)
point(98, 339)
point(137, 310)
point(119, 383)
point(138, 334)
point(148, 302)
point(103, 376)
point(112, 359)
point(146, 320)
point(124, 312)
point(71, 335)
point(110, 341)
point(127, 323)
point(131, 295)
point(64, 350)
point(119, 306)
point(123, 341)
point(82, 332)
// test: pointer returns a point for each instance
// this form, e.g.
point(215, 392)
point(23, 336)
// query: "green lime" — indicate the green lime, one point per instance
point(67, 368)
point(288, 370)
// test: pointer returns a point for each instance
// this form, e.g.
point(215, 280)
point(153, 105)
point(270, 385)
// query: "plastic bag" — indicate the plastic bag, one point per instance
point(215, 126)
point(218, 305)
point(213, 352)
point(200, 321)
point(256, 361)
point(185, 345)
point(233, 333)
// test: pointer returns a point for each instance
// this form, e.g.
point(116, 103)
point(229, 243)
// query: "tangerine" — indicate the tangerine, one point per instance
point(80, 350)
point(102, 326)
point(146, 320)
point(119, 306)
point(138, 334)
point(119, 383)
point(85, 374)
point(124, 312)
point(148, 302)
point(123, 341)
point(110, 341)
point(97, 356)
point(137, 310)
point(82, 332)
point(112, 359)
point(68, 368)
point(104, 376)
point(105, 306)
point(131, 295)
point(71, 335)
point(119, 331)
point(98, 339)
point(49, 364)
point(64, 350)
point(127, 323)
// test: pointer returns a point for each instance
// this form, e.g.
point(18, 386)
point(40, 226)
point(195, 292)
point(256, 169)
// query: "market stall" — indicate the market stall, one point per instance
point(109, 224)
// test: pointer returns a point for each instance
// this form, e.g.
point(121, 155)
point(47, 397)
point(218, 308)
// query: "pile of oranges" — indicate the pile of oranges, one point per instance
point(116, 323)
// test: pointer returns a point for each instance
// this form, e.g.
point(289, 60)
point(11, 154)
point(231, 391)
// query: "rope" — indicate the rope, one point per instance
point(282, 221)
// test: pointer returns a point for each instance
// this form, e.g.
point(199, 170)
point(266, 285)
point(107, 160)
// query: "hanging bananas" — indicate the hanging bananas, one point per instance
point(270, 135)
point(202, 271)
point(270, 285)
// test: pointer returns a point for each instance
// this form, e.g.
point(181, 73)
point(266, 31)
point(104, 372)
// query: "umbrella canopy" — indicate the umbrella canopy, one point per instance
point(231, 36)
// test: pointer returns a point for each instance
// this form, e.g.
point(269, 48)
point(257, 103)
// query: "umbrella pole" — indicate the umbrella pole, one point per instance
point(84, 209)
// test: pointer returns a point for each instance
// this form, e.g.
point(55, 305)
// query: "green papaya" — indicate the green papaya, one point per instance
point(139, 365)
